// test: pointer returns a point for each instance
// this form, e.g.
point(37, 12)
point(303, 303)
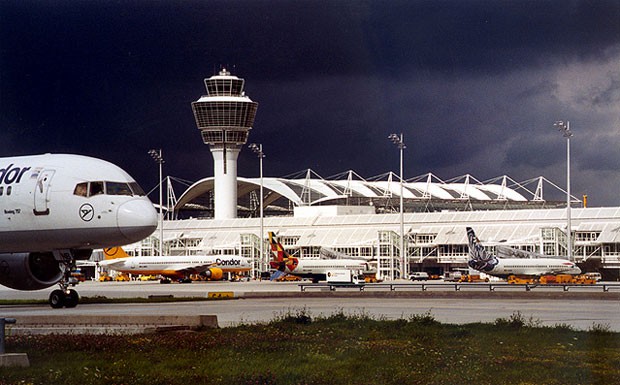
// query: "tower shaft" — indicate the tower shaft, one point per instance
point(225, 173)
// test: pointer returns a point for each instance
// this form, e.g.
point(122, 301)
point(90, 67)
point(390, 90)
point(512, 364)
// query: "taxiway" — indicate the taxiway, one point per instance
point(264, 301)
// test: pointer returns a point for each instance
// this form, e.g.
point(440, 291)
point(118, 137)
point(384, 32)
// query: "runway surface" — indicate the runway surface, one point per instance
point(583, 313)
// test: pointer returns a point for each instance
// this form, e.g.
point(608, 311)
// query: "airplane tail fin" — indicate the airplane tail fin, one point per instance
point(479, 258)
point(476, 250)
point(278, 262)
point(281, 259)
point(279, 255)
point(114, 253)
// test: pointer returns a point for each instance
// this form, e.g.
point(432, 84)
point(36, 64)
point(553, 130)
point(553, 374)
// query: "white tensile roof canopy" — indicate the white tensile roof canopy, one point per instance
point(311, 189)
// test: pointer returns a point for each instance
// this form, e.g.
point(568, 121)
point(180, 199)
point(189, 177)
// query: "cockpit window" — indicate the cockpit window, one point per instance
point(89, 189)
point(117, 188)
point(81, 189)
point(96, 188)
point(137, 190)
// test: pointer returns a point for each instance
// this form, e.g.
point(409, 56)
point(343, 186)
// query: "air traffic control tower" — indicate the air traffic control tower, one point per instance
point(225, 117)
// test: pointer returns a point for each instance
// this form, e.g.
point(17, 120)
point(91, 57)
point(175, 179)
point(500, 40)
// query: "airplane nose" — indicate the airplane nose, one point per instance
point(136, 219)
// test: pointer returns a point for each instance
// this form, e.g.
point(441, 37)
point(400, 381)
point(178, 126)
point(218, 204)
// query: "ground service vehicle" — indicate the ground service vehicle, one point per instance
point(287, 278)
point(419, 276)
point(550, 279)
point(371, 278)
point(521, 280)
point(452, 276)
point(473, 278)
point(342, 276)
point(121, 277)
point(594, 275)
point(581, 279)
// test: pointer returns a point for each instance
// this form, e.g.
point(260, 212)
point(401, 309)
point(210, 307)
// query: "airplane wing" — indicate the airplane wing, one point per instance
point(326, 253)
point(79, 263)
point(111, 262)
point(509, 252)
point(193, 269)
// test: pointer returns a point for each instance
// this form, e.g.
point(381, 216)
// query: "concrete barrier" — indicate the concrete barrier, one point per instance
point(10, 359)
point(111, 324)
point(14, 359)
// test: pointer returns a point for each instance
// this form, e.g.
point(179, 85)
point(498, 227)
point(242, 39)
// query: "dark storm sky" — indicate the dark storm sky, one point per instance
point(475, 86)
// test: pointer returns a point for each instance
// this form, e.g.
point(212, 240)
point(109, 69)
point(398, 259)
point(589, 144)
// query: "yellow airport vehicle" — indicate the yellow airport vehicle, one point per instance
point(371, 278)
point(581, 279)
point(122, 278)
point(288, 278)
point(473, 278)
point(553, 279)
point(520, 280)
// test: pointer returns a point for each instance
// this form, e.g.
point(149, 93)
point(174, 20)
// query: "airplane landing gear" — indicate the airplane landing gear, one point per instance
point(65, 297)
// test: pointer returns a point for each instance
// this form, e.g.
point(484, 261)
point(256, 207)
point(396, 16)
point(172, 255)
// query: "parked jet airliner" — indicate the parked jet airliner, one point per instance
point(178, 267)
point(315, 269)
point(55, 209)
point(504, 267)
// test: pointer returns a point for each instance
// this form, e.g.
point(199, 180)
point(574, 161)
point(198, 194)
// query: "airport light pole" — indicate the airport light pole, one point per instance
point(398, 141)
point(564, 128)
point(258, 150)
point(158, 158)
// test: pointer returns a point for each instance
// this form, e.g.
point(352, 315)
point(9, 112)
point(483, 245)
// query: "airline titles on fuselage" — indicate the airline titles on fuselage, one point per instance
point(8, 175)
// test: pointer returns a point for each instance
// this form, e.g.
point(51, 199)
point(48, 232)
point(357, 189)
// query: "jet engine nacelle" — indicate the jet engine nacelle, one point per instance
point(29, 271)
point(214, 274)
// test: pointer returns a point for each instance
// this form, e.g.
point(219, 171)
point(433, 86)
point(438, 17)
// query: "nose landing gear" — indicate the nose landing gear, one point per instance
point(65, 297)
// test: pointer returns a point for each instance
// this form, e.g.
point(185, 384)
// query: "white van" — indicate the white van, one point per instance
point(452, 276)
point(418, 276)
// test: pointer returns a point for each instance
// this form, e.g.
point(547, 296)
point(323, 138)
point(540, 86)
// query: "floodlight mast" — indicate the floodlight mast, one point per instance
point(404, 263)
point(258, 150)
point(564, 128)
point(158, 158)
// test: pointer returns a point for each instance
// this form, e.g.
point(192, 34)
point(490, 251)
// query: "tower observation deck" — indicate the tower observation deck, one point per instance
point(225, 117)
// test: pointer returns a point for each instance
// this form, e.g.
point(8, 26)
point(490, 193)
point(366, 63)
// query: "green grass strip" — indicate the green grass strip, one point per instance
point(297, 348)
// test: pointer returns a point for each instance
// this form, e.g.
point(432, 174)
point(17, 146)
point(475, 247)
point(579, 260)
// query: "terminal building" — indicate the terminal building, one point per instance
point(346, 214)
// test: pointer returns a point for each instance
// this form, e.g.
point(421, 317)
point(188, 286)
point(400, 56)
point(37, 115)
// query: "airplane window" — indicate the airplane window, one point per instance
point(117, 188)
point(81, 189)
point(137, 190)
point(96, 188)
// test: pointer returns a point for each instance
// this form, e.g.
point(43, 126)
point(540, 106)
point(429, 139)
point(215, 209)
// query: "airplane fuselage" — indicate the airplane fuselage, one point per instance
point(317, 269)
point(41, 209)
point(178, 266)
point(532, 267)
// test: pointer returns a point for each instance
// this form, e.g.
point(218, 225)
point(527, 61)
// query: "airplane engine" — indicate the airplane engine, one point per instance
point(214, 274)
point(29, 271)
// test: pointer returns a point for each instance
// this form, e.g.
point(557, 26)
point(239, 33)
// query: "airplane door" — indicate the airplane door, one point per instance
point(41, 191)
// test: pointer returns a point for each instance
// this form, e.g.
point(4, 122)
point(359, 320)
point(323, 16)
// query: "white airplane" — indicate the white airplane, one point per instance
point(176, 267)
point(315, 269)
point(55, 209)
point(504, 267)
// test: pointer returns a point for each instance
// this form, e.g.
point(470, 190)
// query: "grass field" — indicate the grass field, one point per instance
point(296, 348)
